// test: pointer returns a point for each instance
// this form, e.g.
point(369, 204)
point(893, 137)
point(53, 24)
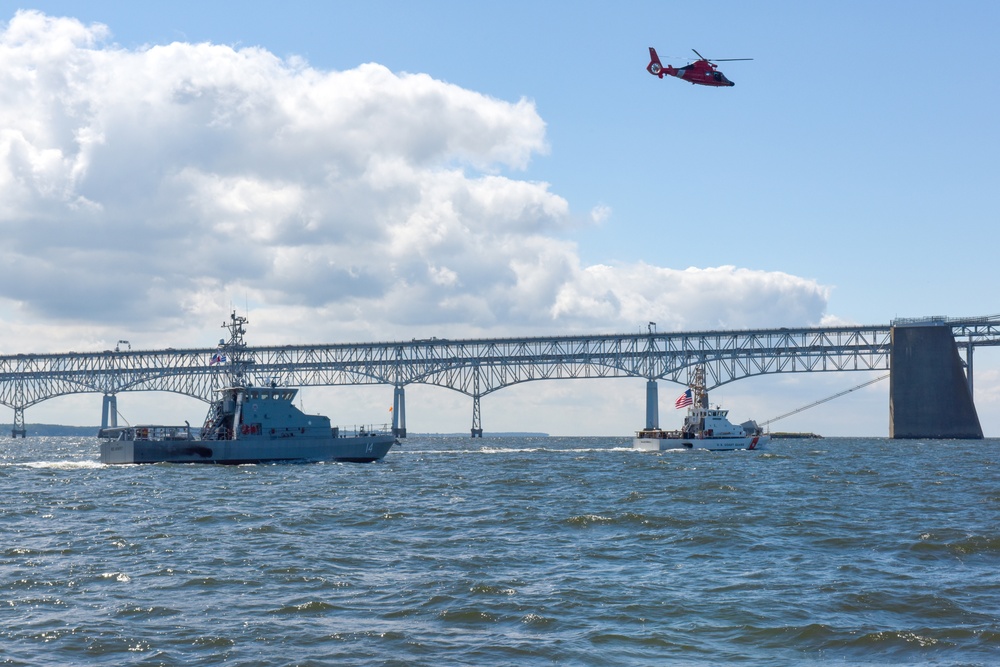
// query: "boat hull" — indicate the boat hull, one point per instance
point(653, 444)
point(358, 449)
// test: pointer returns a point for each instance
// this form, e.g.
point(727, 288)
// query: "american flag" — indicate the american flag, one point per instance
point(683, 400)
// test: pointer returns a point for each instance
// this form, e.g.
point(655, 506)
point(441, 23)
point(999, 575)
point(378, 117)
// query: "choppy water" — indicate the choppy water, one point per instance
point(506, 552)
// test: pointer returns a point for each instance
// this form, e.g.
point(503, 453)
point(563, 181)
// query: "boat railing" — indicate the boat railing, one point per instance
point(146, 432)
point(658, 434)
point(361, 430)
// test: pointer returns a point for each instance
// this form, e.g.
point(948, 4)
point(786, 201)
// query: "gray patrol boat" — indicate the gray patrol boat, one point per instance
point(245, 424)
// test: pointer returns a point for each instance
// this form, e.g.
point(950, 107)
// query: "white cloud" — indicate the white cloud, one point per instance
point(723, 297)
point(143, 190)
point(600, 214)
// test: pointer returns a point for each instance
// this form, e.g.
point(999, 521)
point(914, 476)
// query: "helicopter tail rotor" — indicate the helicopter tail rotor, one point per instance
point(655, 67)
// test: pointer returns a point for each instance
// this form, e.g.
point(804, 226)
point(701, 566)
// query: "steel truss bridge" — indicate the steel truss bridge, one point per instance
point(475, 367)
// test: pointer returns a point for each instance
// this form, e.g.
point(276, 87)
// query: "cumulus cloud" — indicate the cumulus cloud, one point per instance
point(599, 214)
point(722, 297)
point(155, 185)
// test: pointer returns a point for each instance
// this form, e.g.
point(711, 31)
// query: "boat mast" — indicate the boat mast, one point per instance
point(236, 352)
point(699, 395)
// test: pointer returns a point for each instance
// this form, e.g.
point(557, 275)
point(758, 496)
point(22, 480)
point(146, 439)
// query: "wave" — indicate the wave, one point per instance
point(56, 465)
point(518, 450)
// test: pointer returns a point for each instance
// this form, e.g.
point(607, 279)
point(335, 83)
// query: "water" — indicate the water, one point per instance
point(506, 551)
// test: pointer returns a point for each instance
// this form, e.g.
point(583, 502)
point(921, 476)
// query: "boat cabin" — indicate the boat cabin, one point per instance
point(261, 412)
point(710, 422)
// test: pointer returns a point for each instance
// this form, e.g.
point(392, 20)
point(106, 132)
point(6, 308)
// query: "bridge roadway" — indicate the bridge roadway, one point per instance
point(475, 367)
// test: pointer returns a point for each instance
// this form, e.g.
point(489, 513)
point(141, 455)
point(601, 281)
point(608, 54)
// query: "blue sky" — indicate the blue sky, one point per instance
point(848, 177)
point(858, 148)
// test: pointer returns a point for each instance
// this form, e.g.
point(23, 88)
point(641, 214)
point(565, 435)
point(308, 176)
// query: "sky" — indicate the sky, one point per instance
point(377, 171)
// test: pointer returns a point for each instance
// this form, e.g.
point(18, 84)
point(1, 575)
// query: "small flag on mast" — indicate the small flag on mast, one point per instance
point(683, 400)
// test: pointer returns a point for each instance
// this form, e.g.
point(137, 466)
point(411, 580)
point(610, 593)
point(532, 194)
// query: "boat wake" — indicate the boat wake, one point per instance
point(515, 450)
point(60, 465)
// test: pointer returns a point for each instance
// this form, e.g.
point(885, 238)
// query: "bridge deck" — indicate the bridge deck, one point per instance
point(477, 367)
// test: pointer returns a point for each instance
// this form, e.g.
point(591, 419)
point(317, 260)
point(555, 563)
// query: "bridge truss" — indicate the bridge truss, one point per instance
point(475, 367)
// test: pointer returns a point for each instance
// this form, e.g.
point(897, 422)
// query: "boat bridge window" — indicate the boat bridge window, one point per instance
point(275, 394)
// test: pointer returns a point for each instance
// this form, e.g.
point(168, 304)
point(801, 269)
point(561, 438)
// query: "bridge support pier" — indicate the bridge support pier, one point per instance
point(477, 418)
point(399, 412)
point(109, 411)
point(929, 394)
point(652, 405)
point(18, 428)
point(968, 365)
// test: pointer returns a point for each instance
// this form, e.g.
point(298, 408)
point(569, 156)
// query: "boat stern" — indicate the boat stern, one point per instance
point(117, 451)
point(646, 444)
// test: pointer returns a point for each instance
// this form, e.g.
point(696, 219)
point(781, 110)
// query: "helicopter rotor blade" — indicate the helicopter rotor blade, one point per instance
point(699, 55)
point(729, 60)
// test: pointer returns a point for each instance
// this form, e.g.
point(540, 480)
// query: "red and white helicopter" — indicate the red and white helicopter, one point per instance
point(701, 71)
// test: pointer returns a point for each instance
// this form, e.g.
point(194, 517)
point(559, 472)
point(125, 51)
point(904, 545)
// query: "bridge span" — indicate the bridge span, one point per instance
point(478, 367)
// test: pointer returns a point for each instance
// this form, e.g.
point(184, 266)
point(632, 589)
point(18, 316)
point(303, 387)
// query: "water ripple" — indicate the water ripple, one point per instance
point(507, 551)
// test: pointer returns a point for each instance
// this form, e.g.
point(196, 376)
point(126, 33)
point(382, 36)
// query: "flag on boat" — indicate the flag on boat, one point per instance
point(683, 400)
point(217, 358)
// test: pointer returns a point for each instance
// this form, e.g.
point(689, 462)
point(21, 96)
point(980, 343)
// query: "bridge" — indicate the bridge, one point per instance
point(918, 353)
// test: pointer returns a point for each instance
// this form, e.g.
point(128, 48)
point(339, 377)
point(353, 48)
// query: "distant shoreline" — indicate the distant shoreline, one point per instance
point(43, 430)
point(486, 434)
point(50, 430)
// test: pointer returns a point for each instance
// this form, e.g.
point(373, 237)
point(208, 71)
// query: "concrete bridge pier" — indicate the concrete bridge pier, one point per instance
point(930, 395)
point(652, 405)
point(109, 411)
point(399, 412)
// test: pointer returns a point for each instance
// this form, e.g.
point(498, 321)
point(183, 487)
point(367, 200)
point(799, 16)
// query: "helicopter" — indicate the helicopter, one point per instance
point(702, 71)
